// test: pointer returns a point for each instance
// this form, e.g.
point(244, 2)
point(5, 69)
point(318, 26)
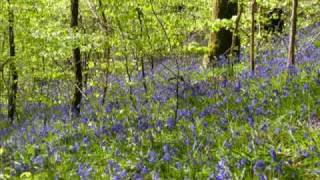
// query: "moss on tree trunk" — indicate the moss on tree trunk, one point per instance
point(221, 41)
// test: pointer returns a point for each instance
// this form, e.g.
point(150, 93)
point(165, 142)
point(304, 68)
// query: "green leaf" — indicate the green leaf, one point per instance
point(26, 175)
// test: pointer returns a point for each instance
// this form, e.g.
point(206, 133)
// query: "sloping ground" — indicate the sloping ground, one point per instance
point(248, 126)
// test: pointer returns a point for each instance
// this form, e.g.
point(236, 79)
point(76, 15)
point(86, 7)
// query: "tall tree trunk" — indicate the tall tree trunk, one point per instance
point(107, 53)
point(77, 61)
point(291, 55)
point(235, 45)
point(13, 70)
point(221, 41)
point(140, 18)
point(252, 60)
point(105, 27)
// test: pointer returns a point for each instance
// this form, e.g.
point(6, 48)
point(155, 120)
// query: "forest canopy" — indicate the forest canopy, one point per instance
point(159, 89)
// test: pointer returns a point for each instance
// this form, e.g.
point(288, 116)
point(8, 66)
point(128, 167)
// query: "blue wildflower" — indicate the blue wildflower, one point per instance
point(75, 147)
point(152, 157)
point(243, 162)
point(263, 177)
point(178, 165)
point(85, 140)
point(273, 154)
point(84, 171)
point(117, 128)
point(159, 124)
point(167, 157)
point(259, 167)
point(251, 121)
point(171, 123)
point(38, 160)
point(165, 148)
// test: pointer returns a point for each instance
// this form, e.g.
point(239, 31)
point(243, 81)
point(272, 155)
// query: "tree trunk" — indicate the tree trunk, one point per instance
point(252, 60)
point(140, 18)
point(235, 46)
point(13, 70)
point(221, 41)
point(77, 61)
point(291, 55)
point(107, 53)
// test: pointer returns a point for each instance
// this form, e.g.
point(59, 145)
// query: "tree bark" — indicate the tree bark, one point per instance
point(235, 45)
point(77, 96)
point(221, 41)
point(140, 18)
point(291, 54)
point(105, 27)
point(107, 53)
point(252, 60)
point(13, 70)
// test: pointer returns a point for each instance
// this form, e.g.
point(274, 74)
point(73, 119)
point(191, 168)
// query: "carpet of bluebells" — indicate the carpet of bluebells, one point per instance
point(247, 126)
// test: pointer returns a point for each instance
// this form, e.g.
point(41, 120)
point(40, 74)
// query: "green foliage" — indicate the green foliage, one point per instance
point(317, 43)
point(164, 29)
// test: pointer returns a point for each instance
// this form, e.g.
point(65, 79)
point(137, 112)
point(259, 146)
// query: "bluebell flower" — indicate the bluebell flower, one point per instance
point(187, 141)
point(143, 125)
point(305, 154)
point(259, 167)
point(84, 171)
point(222, 171)
point(259, 111)
point(277, 131)
point(238, 86)
point(250, 109)
point(159, 124)
point(263, 177)
point(38, 161)
point(278, 168)
point(85, 140)
point(97, 133)
point(20, 166)
point(116, 167)
point(137, 177)
point(193, 130)
point(275, 92)
point(243, 162)
point(220, 165)
point(273, 154)
point(251, 121)
point(152, 157)
point(184, 113)
point(167, 157)
point(117, 128)
point(239, 100)
point(293, 70)
point(264, 127)
point(165, 148)
point(156, 176)
point(205, 124)
point(106, 170)
point(144, 170)
point(44, 131)
point(224, 83)
point(75, 147)
point(178, 165)
point(212, 176)
point(57, 158)
point(313, 148)
point(123, 173)
point(171, 123)
point(227, 144)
